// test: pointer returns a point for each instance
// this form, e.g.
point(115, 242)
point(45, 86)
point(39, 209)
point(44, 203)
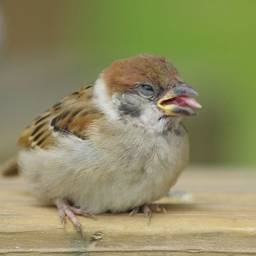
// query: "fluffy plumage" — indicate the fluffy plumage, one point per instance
point(113, 145)
point(69, 116)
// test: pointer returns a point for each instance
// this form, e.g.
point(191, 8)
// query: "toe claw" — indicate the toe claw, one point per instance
point(80, 228)
point(148, 215)
point(157, 208)
point(65, 209)
point(92, 215)
point(63, 220)
point(82, 212)
point(147, 210)
point(134, 211)
point(163, 210)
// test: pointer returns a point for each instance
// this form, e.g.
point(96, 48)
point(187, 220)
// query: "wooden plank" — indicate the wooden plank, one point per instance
point(215, 215)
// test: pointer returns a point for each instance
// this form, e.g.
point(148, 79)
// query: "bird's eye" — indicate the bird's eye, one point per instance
point(147, 87)
point(147, 90)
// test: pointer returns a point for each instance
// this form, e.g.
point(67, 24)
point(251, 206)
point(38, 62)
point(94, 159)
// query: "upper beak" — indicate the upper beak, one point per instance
point(176, 102)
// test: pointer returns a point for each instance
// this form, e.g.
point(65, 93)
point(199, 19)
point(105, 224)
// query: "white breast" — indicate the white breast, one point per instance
point(118, 168)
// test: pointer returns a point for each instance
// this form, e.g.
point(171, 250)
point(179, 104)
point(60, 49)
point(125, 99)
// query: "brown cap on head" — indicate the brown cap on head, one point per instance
point(125, 74)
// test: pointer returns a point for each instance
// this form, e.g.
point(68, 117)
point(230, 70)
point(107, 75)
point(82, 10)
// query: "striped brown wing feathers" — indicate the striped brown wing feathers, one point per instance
point(38, 132)
point(72, 115)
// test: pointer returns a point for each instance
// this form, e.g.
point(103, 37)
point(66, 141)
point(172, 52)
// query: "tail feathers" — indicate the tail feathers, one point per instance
point(10, 167)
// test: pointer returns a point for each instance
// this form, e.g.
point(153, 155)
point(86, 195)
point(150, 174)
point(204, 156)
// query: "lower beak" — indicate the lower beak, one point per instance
point(177, 102)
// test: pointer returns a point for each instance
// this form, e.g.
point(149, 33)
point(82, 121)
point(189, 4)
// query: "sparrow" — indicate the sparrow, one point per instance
point(115, 145)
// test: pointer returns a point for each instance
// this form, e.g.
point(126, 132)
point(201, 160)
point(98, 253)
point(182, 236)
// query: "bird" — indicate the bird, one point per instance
point(114, 145)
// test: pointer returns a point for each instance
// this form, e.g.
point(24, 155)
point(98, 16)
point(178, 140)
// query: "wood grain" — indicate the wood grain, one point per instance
point(212, 211)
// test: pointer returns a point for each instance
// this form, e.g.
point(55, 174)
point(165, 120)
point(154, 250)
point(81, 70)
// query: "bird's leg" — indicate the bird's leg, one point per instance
point(65, 209)
point(147, 209)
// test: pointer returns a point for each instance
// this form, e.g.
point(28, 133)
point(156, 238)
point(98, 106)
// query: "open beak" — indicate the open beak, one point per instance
point(176, 102)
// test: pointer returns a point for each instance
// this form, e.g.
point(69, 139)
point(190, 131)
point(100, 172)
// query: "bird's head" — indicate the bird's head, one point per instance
point(146, 90)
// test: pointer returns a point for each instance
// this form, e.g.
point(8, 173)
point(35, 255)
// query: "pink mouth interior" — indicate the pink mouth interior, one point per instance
point(182, 101)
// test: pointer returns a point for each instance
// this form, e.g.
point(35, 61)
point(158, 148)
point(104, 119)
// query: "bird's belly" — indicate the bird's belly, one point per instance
point(131, 190)
point(114, 179)
point(132, 178)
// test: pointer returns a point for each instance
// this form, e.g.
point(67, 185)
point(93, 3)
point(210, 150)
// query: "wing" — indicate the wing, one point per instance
point(71, 115)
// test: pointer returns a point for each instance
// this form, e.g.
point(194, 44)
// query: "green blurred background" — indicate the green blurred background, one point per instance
point(52, 47)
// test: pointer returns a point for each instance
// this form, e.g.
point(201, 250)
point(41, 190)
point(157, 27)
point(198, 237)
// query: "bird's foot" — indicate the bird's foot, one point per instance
point(65, 209)
point(147, 209)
